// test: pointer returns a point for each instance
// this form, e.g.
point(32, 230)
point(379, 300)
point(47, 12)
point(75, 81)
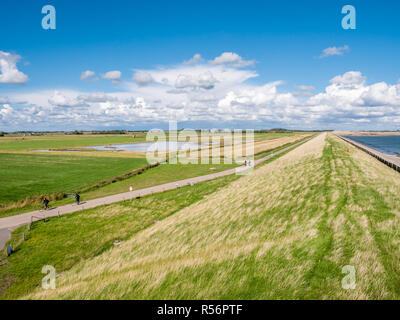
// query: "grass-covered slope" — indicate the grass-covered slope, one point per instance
point(65, 241)
point(24, 175)
point(284, 232)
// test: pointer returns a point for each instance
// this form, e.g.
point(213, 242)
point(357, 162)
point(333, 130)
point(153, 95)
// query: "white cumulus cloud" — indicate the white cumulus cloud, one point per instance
point(233, 59)
point(9, 71)
point(88, 75)
point(142, 78)
point(212, 93)
point(195, 59)
point(114, 76)
point(204, 80)
point(334, 51)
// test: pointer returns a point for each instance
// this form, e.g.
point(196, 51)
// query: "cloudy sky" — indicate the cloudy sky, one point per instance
point(207, 64)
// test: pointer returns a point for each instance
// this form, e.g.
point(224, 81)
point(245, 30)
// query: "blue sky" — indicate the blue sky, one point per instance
point(285, 39)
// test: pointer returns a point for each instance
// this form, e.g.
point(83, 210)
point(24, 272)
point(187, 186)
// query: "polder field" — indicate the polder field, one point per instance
point(66, 164)
point(285, 231)
point(21, 143)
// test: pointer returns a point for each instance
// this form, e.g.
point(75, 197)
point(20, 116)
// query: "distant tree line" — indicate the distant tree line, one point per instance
point(110, 132)
point(75, 132)
point(282, 130)
point(81, 132)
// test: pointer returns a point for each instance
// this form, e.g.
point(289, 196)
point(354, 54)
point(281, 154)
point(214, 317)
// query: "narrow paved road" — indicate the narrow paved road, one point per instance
point(10, 223)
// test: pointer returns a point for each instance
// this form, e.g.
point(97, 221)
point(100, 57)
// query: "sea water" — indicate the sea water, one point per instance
point(385, 144)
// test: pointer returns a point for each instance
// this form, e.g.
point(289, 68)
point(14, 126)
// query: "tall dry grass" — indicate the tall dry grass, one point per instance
point(285, 231)
point(229, 151)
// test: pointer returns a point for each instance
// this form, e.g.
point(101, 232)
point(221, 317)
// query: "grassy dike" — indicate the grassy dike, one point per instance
point(66, 241)
point(284, 232)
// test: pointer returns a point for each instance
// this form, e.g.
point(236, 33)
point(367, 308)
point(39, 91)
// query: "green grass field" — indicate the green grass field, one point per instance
point(33, 175)
point(162, 174)
point(59, 141)
point(29, 143)
point(24, 175)
point(284, 232)
point(66, 241)
point(59, 240)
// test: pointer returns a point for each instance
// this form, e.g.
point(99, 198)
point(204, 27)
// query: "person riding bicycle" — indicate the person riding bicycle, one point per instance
point(46, 203)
